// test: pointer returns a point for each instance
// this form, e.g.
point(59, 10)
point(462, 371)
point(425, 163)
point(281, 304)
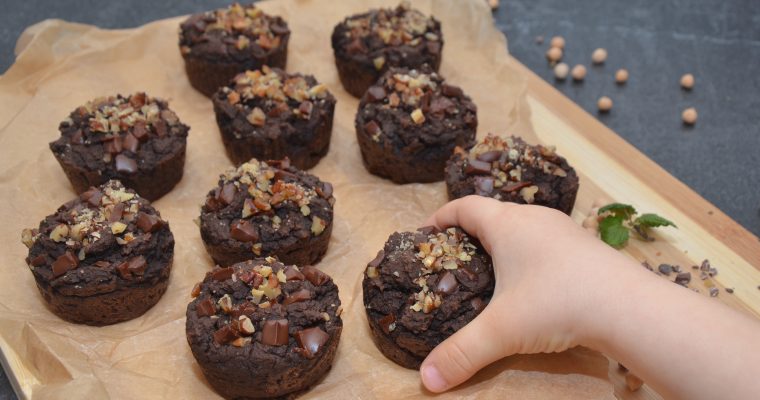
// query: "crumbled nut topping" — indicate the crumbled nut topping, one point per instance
point(278, 89)
point(395, 27)
point(242, 23)
point(445, 250)
point(499, 162)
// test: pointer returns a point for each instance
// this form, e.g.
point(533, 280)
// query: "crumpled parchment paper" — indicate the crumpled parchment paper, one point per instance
point(61, 65)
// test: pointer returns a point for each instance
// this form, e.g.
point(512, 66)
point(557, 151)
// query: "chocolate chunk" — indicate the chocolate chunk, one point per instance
point(372, 128)
point(196, 290)
point(301, 295)
point(77, 137)
point(477, 167)
point(205, 307)
point(225, 335)
point(244, 231)
point(483, 185)
point(116, 212)
point(67, 261)
point(92, 196)
point(137, 265)
point(279, 29)
point(275, 332)
point(356, 46)
point(311, 340)
point(512, 186)
point(160, 128)
point(490, 156)
point(315, 276)
point(451, 91)
point(138, 100)
point(428, 230)
point(386, 323)
point(447, 283)
point(477, 304)
point(376, 93)
point(125, 164)
point(279, 109)
point(325, 191)
point(37, 261)
point(140, 131)
point(377, 260)
point(113, 145)
point(227, 194)
point(440, 104)
point(433, 48)
point(123, 270)
point(293, 274)
point(131, 143)
point(221, 274)
point(148, 222)
point(246, 308)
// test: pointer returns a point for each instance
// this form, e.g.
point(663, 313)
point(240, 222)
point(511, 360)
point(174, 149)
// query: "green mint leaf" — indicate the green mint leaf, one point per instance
point(619, 210)
point(613, 232)
point(653, 221)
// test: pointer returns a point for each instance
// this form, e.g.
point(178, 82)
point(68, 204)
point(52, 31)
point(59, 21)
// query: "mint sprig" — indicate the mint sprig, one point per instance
point(619, 220)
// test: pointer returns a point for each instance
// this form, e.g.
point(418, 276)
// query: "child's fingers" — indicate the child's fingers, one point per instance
point(473, 213)
point(463, 354)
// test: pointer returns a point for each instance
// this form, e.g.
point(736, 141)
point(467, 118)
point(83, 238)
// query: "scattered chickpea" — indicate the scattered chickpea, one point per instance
point(621, 76)
point(687, 81)
point(578, 72)
point(560, 71)
point(599, 56)
point(557, 41)
point(554, 54)
point(689, 116)
point(494, 4)
point(604, 104)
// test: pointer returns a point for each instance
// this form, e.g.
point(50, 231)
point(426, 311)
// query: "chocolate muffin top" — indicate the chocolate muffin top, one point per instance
point(272, 102)
point(427, 285)
point(262, 308)
point(509, 169)
point(233, 34)
point(267, 204)
point(108, 236)
point(389, 37)
point(414, 109)
point(119, 135)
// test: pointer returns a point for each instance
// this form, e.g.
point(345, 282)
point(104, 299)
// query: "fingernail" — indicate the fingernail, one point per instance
point(433, 379)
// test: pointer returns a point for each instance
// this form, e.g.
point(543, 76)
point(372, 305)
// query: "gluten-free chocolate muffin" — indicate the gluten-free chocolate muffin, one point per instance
point(102, 258)
point(261, 329)
point(409, 123)
point(508, 169)
point(421, 288)
point(217, 45)
point(269, 114)
point(136, 139)
point(267, 208)
point(366, 45)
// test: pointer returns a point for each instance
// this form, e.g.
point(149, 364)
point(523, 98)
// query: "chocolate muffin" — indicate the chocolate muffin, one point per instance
point(267, 209)
point(260, 329)
point(366, 45)
point(508, 169)
point(217, 45)
point(409, 122)
point(102, 258)
point(423, 287)
point(136, 139)
point(269, 114)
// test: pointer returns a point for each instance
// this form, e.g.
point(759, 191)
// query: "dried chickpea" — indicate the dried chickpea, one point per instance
point(560, 71)
point(554, 54)
point(578, 72)
point(621, 76)
point(599, 56)
point(604, 104)
point(689, 116)
point(557, 41)
point(687, 81)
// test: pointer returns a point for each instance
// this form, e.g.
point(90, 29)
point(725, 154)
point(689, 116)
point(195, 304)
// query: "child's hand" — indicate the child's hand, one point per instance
point(557, 287)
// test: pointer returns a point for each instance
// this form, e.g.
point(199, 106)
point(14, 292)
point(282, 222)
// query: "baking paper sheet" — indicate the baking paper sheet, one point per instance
point(61, 65)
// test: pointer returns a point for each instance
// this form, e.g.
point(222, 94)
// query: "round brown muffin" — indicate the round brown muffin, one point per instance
point(508, 169)
point(102, 258)
point(217, 45)
point(269, 114)
point(409, 122)
point(366, 45)
point(423, 287)
point(260, 329)
point(136, 139)
point(267, 208)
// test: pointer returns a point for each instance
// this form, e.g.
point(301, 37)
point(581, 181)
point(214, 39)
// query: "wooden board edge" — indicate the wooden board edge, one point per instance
point(705, 214)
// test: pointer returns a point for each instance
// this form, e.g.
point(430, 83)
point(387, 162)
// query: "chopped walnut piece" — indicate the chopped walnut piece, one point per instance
point(417, 116)
point(257, 117)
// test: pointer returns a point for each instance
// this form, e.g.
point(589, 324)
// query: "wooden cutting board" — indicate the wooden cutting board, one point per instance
point(610, 167)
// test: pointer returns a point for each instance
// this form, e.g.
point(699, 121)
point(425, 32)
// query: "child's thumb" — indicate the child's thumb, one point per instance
point(463, 354)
